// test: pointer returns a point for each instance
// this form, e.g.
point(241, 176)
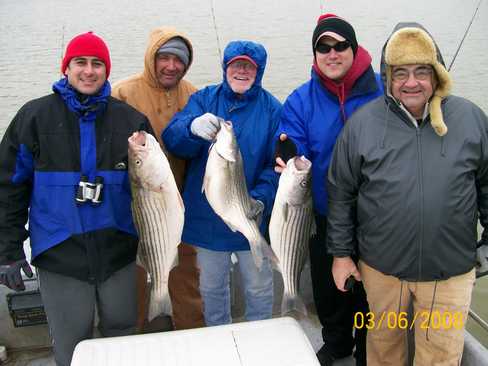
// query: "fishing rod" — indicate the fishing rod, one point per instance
point(321, 7)
point(215, 28)
point(62, 44)
point(465, 34)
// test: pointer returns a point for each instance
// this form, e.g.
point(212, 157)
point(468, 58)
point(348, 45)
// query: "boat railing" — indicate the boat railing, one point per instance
point(482, 323)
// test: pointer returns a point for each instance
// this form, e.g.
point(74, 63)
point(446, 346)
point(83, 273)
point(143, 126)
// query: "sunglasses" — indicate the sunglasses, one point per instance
point(338, 47)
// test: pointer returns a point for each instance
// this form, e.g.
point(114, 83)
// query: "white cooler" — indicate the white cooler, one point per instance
point(274, 342)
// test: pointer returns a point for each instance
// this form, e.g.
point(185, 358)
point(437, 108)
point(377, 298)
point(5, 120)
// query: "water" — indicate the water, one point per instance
point(34, 33)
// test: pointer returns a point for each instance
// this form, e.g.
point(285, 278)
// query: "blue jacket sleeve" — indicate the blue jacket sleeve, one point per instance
point(267, 183)
point(16, 171)
point(293, 123)
point(177, 136)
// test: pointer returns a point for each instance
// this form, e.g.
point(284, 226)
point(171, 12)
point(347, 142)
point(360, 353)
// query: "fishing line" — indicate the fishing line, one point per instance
point(215, 28)
point(62, 45)
point(464, 37)
point(321, 7)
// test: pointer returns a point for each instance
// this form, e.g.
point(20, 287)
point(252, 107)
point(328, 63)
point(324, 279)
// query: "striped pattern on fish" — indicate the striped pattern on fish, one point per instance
point(158, 214)
point(225, 187)
point(291, 225)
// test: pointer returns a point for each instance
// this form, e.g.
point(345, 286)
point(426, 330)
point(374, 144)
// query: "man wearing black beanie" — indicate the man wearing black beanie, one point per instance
point(313, 116)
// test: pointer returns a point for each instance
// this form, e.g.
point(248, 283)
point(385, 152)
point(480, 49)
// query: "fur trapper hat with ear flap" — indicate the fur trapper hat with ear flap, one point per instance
point(415, 46)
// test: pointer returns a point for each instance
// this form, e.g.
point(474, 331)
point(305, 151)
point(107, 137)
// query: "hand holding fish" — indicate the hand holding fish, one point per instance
point(206, 126)
point(482, 261)
point(285, 150)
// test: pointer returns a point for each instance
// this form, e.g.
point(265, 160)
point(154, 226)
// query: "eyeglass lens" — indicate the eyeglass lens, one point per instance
point(338, 47)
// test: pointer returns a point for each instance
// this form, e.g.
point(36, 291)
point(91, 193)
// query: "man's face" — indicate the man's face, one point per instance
point(333, 64)
point(169, 70)
point(241, 75)
point(413, 86)
point(86, 74)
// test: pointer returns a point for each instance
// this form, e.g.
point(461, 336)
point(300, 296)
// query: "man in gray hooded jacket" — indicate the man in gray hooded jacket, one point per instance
point(407, 183)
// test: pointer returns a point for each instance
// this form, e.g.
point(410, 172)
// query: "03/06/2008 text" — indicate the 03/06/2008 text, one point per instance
point(392, 320)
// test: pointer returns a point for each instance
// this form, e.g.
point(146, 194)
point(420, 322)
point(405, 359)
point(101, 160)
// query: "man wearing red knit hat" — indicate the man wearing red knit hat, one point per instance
point(313, 116)
point(64, 170)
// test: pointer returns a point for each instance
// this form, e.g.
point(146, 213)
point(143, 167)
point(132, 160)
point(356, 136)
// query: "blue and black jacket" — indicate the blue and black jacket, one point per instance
point(49, 145)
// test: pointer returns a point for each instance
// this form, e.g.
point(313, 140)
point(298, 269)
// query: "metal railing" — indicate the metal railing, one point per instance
point(482, 323)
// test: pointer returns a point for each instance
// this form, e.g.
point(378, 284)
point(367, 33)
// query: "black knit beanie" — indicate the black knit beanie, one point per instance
point(332, 23)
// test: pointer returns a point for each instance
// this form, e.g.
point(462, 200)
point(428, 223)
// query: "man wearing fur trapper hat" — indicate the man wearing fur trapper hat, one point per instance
point(407, 183)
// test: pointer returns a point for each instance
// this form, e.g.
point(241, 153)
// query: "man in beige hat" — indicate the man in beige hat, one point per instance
point(159, 92)
point(408, 180)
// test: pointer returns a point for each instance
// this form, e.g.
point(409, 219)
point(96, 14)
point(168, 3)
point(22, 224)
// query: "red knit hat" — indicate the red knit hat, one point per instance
point(87, 44)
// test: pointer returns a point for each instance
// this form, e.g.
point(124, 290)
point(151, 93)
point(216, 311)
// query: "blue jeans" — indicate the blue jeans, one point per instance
point(215, 290)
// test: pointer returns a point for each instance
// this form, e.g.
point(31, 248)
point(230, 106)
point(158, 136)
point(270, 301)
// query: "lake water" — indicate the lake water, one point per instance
point(34, 33)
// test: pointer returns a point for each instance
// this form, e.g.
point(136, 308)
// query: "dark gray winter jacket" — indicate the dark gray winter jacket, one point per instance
point(405, 199)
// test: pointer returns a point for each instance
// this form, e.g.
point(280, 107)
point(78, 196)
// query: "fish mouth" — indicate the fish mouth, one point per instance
point(302, 163)
point(138, 138)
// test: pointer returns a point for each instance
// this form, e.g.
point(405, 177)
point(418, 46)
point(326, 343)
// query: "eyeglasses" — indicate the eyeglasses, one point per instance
point(245, 65)
point(338, 47)
point(420, 73)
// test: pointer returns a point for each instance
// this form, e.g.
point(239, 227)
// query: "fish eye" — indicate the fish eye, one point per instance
point(138, 162)
point(303, 184)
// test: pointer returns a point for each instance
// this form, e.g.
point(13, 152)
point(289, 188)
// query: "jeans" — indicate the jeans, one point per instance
point(215, 289)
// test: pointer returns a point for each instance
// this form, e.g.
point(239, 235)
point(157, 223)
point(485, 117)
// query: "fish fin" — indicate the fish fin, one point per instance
point(232, 227)
point(313, 227)
point(293, 303)
point(262, 250)
point(226, 154)
point(285, 212)
point(270, 254)
point(257, 254)
point(205, 182)
point(180, 201)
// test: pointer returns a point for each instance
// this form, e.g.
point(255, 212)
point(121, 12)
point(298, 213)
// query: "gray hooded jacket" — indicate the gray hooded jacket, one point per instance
point(405, 199)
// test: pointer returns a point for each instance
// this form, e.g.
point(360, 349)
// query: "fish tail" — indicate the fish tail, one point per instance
point(261, 250)
point(293, 303)
point(257, 253)
point(269, 253)
point(159, 304)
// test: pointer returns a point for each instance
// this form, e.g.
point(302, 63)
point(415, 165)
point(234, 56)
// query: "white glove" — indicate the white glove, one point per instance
point(206, 126)
point(482, 261)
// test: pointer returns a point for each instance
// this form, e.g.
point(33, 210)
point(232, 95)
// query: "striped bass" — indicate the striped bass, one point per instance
point(225, 187)
point(158, 213)
point(291, 225)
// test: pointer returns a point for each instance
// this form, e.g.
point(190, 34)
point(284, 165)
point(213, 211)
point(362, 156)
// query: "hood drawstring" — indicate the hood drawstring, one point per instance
point(342, 100)
point(400, 301)
point(430, 311)
point(443, 147)
point(385, 129)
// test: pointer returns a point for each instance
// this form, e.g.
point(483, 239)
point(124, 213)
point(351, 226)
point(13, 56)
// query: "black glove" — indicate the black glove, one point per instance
point(482, 261)
point(285, 149)
point(256, 211)
point(11, 277)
